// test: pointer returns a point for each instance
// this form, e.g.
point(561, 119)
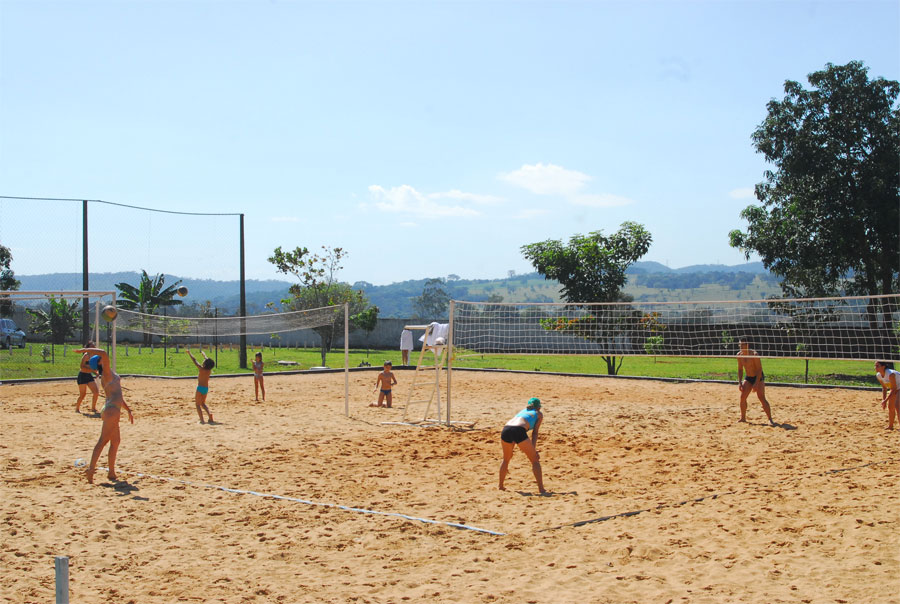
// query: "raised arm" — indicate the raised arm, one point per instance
point(196, 364)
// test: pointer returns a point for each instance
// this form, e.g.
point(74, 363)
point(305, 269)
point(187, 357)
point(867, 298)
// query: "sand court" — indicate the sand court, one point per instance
point(656, 495)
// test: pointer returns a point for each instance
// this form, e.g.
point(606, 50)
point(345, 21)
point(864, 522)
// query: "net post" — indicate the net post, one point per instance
point(96, 337)
point(114, 338)
point(346, 359)
point(450, 358)
point(62, 579)
point(242, 355)
point(85, 303)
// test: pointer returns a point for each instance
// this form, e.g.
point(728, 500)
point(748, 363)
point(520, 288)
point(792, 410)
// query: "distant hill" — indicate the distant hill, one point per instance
point(648, 282)
point(656, 268)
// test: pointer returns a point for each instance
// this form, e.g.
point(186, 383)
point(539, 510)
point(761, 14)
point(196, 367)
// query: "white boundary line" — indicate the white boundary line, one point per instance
point(80, 462)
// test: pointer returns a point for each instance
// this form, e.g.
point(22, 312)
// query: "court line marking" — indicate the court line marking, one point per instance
point(81, 462)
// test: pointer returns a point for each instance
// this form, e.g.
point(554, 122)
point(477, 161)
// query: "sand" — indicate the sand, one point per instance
point(804, 512)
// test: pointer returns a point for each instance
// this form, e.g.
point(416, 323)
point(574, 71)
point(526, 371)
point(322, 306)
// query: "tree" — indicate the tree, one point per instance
point(59, 320)
point(366, 321)
point(827, 223)
point(434, 301)
point(318, 287)
point(591, 268)
point(148, 296)
point(8, 281)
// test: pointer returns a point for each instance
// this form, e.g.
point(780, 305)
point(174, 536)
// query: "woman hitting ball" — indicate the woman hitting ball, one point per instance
point(109, 433)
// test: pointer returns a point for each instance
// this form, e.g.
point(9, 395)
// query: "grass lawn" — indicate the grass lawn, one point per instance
point(27, 363)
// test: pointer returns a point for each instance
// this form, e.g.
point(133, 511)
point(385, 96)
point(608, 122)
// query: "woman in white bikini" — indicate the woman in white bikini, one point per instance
point(109, 433)
point(890, 389)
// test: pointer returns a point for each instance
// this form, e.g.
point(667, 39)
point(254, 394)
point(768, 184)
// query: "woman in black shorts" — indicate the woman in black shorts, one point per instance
point(515, 432)
point(86, 380)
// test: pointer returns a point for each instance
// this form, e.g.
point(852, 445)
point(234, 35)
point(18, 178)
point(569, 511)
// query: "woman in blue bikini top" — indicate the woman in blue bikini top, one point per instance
point(515, 433)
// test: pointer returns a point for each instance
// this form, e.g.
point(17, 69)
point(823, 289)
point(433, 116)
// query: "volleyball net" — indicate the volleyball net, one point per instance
point(849, 328)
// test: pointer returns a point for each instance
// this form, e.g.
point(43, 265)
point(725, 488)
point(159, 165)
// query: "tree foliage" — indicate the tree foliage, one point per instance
point(830, 208)
point(8, 281)
point(59, 320)
point(434, 301)
point(318, 287)
point(148, 296)
point(591, 268)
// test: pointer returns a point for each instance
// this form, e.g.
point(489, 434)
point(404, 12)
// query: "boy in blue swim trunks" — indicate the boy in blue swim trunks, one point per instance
point(203, 372)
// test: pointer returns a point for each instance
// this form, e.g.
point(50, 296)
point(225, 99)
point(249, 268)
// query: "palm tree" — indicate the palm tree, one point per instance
point(58, 321)
point(148, 296)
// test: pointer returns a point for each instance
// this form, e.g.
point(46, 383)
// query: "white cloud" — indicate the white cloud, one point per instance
point(744, 193)
point(407, 200)
point(547, 179)
point(407, 225)
point(555, 180)
point(600, 200)
point(285, 219)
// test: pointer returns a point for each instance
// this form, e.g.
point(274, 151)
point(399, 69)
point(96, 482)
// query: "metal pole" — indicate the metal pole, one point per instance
point(346, 359)
point(449, 359)
point(115, 338)
point(85, 303)
point(62, 580)
point(243, 354)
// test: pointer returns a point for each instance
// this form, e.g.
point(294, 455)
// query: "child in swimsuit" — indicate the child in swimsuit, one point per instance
point(258, 382)
point(109, 433)
point(384, 383)
point(203, 372)
point(85, 380)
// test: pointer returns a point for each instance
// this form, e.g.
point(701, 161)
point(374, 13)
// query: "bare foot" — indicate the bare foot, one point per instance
point(743, 419)
point(202, 421)
point(210, 418)
point(112, 476)
point(78, 408)
point(89, 474)
point(502, 488)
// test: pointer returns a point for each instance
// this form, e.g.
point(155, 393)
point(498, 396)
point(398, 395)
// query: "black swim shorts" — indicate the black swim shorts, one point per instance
point(513, 434)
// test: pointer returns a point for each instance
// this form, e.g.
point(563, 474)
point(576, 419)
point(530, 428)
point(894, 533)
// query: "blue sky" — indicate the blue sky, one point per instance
point(425, 138)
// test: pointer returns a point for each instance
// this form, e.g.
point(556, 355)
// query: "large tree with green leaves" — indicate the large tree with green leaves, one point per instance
point(319, 287)
point(590, 268)
point(829, 209)
point(8, 281)
point(149, 295)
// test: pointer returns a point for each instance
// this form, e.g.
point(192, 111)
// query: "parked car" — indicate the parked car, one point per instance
point(10, 334)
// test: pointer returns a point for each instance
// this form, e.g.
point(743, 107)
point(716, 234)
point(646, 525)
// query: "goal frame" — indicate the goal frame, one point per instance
point(12, 295)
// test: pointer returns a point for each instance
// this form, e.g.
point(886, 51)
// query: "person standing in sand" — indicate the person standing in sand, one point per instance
point(203, 372)
point(85, 380)
point(258, 381)
point(889, 379)
point(385, 383)
point(406, 346)
point(515, 432)
point(109, 433)
point(755, 380)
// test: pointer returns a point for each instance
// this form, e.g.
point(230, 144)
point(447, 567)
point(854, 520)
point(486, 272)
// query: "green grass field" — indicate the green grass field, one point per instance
point(27, 363)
